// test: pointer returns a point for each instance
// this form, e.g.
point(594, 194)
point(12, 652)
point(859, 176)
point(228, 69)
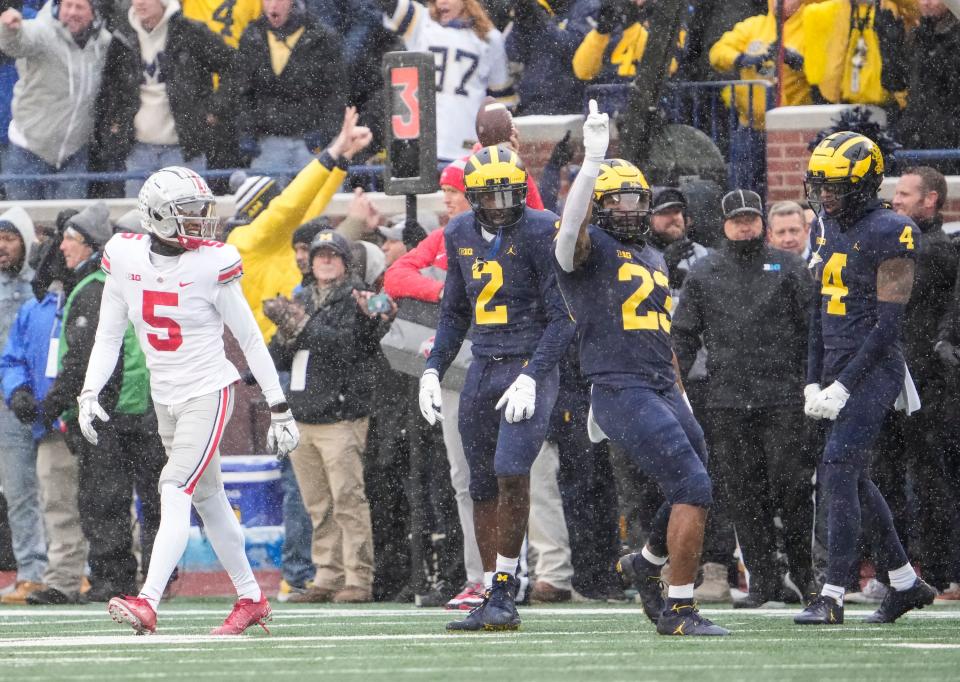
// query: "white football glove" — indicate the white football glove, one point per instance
point(596, 133)
point(89, 410)
point(810, 392)
point(831, 400)
point(520, 399)
point(283, 436)
point(430, 400)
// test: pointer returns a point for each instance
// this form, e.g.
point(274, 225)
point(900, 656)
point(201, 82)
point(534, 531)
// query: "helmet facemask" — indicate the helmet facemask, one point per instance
point(187, 222)
point(624, 213)
point(843, 200)
point(498, 207)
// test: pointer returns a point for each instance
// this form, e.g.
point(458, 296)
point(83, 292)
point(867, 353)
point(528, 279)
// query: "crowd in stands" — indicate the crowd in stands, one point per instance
point(376, 501)
point(112, 86)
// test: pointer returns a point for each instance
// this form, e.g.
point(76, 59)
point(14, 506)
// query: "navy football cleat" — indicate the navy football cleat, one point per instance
point(644, 576)
point(682, 619)
point(498, 611)
point(821, 611)
point(897, 602)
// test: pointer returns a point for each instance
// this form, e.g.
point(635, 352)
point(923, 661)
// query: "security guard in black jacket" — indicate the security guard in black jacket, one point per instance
point(916, 444)
point(748, 303)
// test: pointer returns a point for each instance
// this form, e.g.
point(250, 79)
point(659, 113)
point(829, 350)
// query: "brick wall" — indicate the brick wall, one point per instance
point(790, 130)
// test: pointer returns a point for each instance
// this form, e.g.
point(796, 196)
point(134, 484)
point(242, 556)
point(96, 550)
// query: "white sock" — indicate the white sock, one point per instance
point(834, 592)
point(507, 565)
point(680, 591)
point(169, 544)
point(487, 580)
point(653, 558)
point(226, 537)
point(903, 578)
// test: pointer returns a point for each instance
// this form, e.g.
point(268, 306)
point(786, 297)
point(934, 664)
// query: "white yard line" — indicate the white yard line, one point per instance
point(314, 612)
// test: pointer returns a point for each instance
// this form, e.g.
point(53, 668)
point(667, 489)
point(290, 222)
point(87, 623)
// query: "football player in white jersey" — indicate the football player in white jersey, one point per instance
point(471, 62)
point(179, 287)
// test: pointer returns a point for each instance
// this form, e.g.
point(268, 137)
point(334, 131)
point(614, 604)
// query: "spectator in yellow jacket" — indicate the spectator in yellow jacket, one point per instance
point(611, 51)
point(855, 50)
point(750, 50)
point(267, 226)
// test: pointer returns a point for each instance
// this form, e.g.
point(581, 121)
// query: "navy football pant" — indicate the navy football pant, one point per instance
point(660, 434)
point(852, 499)
point(494, 447)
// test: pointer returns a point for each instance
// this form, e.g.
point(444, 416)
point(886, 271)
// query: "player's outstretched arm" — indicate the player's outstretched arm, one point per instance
point(572, 245)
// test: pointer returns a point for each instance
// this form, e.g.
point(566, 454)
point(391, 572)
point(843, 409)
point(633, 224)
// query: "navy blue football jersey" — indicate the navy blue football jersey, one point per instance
point(848, 278)
point(620, 299)
point(506, 295)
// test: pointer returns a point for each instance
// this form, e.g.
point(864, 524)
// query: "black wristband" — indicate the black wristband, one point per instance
point(280, 407)
point(326, 160)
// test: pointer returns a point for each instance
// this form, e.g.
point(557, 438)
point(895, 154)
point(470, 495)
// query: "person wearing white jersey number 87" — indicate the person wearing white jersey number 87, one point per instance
point(470, 57)
point(178, 288)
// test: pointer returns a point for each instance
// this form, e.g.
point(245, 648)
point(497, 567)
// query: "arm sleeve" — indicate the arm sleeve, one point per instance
point(455, 316)
point(560, 326)
point(273, 229)
point(588, 59)
point(574, 213)
point(815, 342)
point(108, 341)
point(687, 325)
point(239, 318)
point(407, 19)
point(500, 82)
point(534, 200)
point(550, 185)
point(403, 279)
point(731, 45)
point(26, 42)
point(14, 370)
point(946, 330)
point(884, 334)
point(331, 185)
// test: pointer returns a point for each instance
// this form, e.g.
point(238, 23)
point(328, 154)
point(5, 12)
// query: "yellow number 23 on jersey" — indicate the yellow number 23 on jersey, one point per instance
point(496, 314)
point(652, 320)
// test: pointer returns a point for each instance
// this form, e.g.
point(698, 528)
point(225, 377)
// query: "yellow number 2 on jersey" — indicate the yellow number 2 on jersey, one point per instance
point(497, 314)
point(833, 284)
point(906, 237)
point(652, 320)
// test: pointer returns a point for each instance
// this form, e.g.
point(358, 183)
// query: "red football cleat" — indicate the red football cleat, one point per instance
point(135, 612)
point(246, 612)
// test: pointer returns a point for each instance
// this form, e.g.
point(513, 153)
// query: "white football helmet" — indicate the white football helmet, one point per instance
point(177, 207)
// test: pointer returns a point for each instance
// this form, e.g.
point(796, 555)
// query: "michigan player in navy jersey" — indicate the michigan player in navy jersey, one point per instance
point(500, 287)
point(617, 289)
point(864, 258)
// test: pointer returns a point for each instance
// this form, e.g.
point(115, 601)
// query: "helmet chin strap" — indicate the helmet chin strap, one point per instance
point(162, 247)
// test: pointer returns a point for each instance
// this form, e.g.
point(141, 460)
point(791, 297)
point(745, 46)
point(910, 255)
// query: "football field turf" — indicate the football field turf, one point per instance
point(598, 643)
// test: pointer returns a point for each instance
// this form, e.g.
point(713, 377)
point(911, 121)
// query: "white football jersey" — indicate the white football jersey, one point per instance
point(174, 313)
point(468, 67)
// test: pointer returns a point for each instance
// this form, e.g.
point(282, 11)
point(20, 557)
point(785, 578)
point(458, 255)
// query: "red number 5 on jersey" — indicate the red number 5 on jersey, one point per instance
point(170, 299)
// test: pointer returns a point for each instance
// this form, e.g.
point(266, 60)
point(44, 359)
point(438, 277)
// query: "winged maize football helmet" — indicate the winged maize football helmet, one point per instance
point(844, 174)
point(177, 207)
point(621, 200)
point(496, 184)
